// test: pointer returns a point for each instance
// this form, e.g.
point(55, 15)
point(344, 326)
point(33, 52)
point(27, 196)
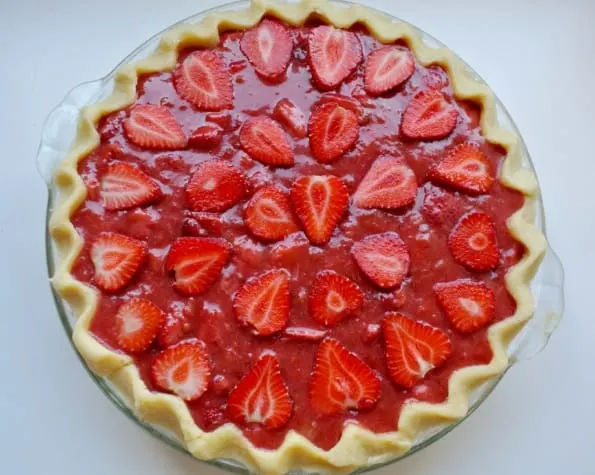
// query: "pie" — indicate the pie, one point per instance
point(296, 237)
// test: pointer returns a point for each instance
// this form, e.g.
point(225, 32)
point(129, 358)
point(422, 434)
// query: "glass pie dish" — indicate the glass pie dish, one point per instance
point(546, 286)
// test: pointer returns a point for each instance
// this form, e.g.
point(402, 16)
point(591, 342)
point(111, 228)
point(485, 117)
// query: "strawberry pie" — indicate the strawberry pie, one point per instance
point(296, 237)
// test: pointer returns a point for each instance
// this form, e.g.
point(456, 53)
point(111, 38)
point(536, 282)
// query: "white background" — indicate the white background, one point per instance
point(537, 55)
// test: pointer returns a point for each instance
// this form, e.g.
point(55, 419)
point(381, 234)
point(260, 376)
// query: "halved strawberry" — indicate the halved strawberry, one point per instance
point(291, 116)
point(215, 186)
point(334, 297)
point(347, 102)
point(389, 184)
point(197, 263)
point(116, 259)
point(333, 130)
point(333, 55)
point(268, 214)
point(125, 186)
point(341, 381)
point(387, 68)
point(206, 137)
point(319, 202)
point(465, 168)
point(172, 331)
point(413, 348)
point(304, 333)
point(473, 242)
point(264, 140)
point(183, 369)
point(204, 80)
point(467, 304)
point(150, 126)
point(263, 302)
point(384, 258)
point(261, 397)
point(138, 322)
point(268, 47)
point(429, 116)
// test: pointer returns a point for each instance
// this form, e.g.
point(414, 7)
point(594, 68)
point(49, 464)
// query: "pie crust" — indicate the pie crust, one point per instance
point(357, 447)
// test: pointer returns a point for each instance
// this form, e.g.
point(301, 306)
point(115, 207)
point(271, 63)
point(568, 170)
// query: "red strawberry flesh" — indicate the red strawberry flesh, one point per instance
point(125, 186)
point(467, 304)
point(389, 184)
point(261, 397)
point(384, 259)
point(334, 297)
point(429, 116)
point(150, 126)
point(138, 323)
point(333, 130)
point(268, 47)
point(263, 302)
point(341, 381)
point(268, 214)
point(413, 348)
point(473, 242)
point(204, 80)
point(387, 68)
point(291, 117)
point(197, 263)
point(265, 141)
point(183, 369)
point(215, 186)
point(116, 259)
point(319, 202)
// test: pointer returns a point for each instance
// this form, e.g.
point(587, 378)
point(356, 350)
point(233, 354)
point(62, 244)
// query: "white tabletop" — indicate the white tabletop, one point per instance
point(536, 54)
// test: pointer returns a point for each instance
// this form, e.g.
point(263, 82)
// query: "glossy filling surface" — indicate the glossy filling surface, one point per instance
point(424, 226)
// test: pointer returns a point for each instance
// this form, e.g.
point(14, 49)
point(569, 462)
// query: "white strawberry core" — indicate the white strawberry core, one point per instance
point(210, 184)
point(206, 84)
point(478, 242)
point(131, 323)
point(319, 193)
point(423, 366)
point(335, 51)
point(388, 64)
point(147, 124)
point(472, 167)
point(390, 264)
point(185, 379)
point(471, 307)
point(335, 302)
point(269, 210)
point(265, 43)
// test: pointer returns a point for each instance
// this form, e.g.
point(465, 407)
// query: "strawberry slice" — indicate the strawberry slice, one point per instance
point(261, 397)
point(440, 207)
point(465, 168)
point(319, 202)
point(150, 126)
point(413, 348)
point(333, 55)
point(215, 186)
point(183, 369)
point(333, 130)
point(138, 323)
point(197, 263)
point(264, 140)
point(172, 331)
point(473, 242)
point(206, 137)
point(387, 68)
point(389, 184)
point(384, 258)
point(116, 259)
point(304, 334)
point(467, 304)
point(268, 47)
point(268, 214)
point(341, 381)
point(347, 102)
point(204, 80)
point(334, 297)
point(263, 302)
point(124, 186)
point(429, 116)
point(291, 116)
